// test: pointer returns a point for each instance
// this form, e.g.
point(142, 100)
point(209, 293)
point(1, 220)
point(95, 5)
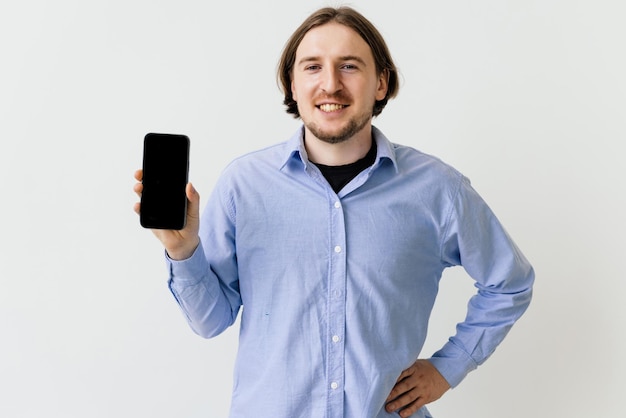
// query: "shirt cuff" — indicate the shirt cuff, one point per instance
point(453, 363)
point(189, 271)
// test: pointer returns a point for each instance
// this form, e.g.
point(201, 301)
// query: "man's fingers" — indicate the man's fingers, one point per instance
point(408, 402)
point(401, 395)
point(417, 386)
point(138, 188)
point(398, 390)
point(402, 385)
point(412, 408)
point(405, 373)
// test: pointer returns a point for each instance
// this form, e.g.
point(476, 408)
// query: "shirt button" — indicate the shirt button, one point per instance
point(337, 205)
point(335, 338)
point(334, 385)
point(337, 249)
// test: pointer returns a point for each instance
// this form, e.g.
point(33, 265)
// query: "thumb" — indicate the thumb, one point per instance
point(192, 193)
point(194, 200)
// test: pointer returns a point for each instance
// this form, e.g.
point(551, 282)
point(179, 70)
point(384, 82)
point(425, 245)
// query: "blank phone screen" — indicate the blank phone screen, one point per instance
point(165, 171)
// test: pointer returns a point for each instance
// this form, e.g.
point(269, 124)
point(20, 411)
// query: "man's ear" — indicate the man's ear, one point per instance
point(383, 84)
point(293, 91)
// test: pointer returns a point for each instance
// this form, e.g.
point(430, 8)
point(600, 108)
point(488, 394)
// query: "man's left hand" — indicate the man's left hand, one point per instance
point(417, 386)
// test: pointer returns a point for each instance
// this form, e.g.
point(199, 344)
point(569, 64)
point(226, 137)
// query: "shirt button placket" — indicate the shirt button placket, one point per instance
point(337, 309)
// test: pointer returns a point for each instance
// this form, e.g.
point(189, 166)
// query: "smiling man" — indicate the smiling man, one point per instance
point(334, 243)
point(336, 83)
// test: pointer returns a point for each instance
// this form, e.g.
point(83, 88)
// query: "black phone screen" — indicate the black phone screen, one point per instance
point(165, 172)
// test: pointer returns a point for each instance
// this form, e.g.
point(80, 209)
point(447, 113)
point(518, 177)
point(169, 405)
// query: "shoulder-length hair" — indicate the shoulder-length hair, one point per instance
point(354, 20)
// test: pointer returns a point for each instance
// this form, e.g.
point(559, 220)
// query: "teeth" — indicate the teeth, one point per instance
point(331, 107)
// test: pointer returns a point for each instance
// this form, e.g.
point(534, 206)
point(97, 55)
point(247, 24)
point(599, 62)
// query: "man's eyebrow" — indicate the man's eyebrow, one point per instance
point(353, 58)
point(356, 58)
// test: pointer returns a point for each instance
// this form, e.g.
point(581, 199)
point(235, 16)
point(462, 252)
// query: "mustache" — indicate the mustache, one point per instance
point(335, 97)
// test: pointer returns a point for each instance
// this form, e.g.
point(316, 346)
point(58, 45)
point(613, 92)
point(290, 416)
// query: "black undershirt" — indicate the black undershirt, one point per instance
point(340, 175)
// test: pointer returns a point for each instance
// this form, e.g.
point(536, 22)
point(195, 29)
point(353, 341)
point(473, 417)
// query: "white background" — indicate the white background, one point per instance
point(527, 98)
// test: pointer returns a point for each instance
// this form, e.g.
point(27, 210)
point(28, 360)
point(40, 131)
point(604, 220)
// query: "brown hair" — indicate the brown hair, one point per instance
point(354, 20)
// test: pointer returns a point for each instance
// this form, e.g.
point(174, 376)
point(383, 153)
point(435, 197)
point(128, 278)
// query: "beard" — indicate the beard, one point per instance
point(354, 125)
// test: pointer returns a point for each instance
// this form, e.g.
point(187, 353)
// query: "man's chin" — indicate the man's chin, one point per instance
point(334, 136)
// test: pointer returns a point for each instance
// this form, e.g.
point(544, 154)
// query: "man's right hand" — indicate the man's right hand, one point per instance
point(179, 245)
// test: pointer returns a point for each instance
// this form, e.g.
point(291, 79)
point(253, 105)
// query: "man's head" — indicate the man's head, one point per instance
point(350, 18)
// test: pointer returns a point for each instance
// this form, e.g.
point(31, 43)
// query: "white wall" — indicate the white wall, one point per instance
point(526, 98)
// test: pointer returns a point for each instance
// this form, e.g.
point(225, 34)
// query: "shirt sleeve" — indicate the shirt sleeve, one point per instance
point(476, 240)
point(206, 285)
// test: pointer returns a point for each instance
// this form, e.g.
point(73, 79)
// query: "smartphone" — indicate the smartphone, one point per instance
point(165, 176)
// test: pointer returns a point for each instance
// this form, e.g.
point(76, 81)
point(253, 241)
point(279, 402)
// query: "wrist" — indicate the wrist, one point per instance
point(183, 252)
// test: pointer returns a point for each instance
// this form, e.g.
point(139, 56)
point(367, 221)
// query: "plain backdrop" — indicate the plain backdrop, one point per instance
point(526, 98)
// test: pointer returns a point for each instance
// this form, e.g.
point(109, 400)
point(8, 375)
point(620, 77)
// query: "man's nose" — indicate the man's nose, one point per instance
point(331, 81)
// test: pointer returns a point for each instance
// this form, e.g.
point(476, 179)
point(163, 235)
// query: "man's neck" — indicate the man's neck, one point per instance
point(341, 153)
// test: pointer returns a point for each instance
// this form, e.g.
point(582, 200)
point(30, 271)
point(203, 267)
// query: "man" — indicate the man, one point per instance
point(334, 243)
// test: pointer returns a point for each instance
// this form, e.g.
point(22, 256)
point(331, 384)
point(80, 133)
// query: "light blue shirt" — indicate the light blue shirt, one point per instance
point(337, 289)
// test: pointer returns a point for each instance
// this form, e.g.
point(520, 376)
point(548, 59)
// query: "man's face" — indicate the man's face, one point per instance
point(335, 83)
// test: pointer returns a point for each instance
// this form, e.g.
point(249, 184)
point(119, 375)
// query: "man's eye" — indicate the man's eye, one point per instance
point(312, 67)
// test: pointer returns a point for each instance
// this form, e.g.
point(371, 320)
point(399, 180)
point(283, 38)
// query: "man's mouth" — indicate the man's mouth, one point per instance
point(331, 107)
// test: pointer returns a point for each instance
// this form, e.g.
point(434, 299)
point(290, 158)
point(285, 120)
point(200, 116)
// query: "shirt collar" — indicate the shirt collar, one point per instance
point(295, 151)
